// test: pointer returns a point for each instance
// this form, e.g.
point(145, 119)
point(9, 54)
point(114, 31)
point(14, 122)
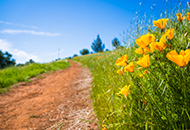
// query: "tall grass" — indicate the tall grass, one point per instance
point(13, 75)
point(159, 99)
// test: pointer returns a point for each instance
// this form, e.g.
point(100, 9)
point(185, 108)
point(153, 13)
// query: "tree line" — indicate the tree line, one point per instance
point(6, 59)
point(98, 46)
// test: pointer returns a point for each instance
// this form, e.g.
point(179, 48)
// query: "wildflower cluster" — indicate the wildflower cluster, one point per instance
point(149, 44)
point(148, 89)
point(98, 57)
point(104, 127)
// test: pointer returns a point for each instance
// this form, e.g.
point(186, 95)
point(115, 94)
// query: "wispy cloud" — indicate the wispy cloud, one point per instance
point(20, 55)
point(30, 32)
point(9, 23)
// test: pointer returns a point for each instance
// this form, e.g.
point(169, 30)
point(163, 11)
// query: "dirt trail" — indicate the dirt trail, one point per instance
point(62, 96)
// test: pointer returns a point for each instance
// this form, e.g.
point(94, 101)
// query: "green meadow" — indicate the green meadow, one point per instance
point(12, 75)
point(156, 76)
point(145, 85)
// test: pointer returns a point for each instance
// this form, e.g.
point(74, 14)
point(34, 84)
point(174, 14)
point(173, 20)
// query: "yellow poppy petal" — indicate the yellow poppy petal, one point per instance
point(158, 46)
point(182, 59)
point(146, 71)
point(170, 33)
point(120, 71)
point(130, 67)
point(188, 16)
point(145, 40)
point(161, 23)
point(179, 17)
point(139, 51)
point(125, 90)
point(122, 61)
point(144, 61)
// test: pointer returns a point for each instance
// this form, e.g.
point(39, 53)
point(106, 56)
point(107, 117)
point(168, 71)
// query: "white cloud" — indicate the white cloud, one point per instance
point(30, 32)
point(19, 55)
point(18, 24)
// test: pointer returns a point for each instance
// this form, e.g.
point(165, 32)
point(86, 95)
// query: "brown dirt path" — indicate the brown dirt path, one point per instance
point(62, 96)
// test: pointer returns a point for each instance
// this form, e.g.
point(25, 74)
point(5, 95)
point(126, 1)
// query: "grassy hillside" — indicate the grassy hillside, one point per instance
point(147, 86)
point(13, 75)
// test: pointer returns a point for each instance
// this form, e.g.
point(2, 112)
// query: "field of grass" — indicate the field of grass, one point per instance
point(143, 86)
point(156, 76)
point(13, 75)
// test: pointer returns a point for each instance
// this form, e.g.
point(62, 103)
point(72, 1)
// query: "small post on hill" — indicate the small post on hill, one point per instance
point(58, 52)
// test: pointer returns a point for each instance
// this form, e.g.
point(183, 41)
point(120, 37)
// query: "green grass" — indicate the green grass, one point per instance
point(158, 100)
point(106, 84)
point(167, 109)
point(13, 75)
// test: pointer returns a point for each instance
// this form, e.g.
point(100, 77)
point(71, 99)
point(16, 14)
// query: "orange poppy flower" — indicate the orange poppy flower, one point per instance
point(163, 39)
point(125, 90)
point(182, 59)
point(144, 102)
point(170, 33)
point(131, 83)
point(122, 61)
point(130, 67)
point(160, 45)
point(146, 71)
point(161, 23)
point(145, 40)
point(141, 75)
point(139, 51)
point(188, 16)
point(144, 61)
point(120, 71)
point(179, 17)
point(151, 50)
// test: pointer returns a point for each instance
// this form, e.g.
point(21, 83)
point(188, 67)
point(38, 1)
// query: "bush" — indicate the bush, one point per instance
point(75, 55)
point(84, 52)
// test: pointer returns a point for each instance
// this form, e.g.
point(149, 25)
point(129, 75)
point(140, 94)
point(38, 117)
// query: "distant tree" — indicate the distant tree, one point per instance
point(97, 45)
point(75, 55)
point(57, 59)
point(20, 64)
point(6, 60)
point(84, 52)
point(29, 62)
point(116, 43)
point(68, 57)
point(107, 50)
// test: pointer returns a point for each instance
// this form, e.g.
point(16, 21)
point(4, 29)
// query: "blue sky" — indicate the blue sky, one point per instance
point(35, 29)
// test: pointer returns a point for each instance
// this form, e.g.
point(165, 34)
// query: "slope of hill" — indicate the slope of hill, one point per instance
point(12, 75)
